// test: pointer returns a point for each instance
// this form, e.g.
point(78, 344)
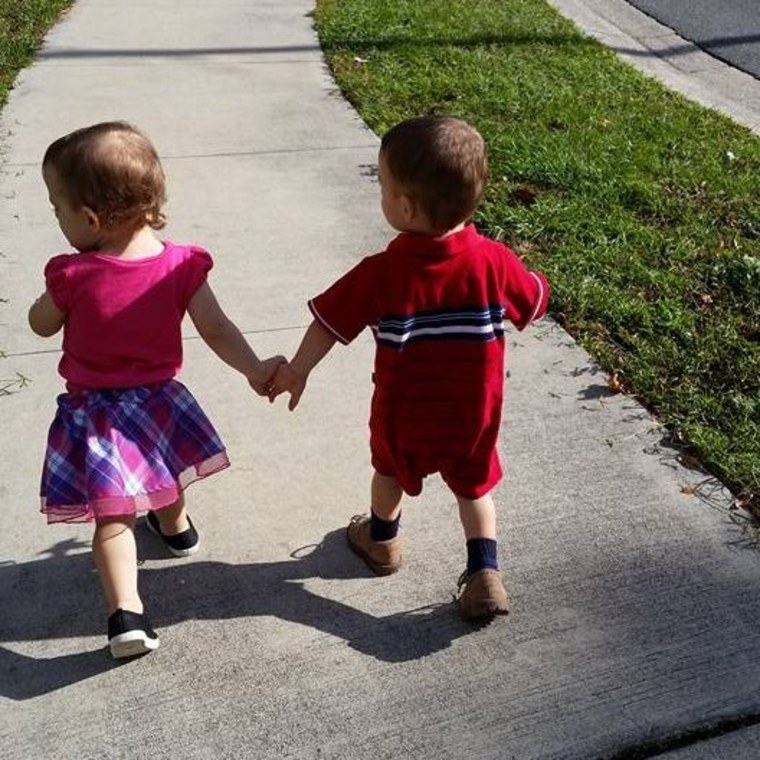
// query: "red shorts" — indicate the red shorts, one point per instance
point(470, 477)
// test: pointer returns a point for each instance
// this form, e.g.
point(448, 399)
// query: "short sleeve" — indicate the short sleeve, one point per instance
point(348, 305)
point(58, 281)
point(197, 265)
point(526, 293)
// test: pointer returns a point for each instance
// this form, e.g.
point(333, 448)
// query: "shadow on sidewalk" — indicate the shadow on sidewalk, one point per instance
point(384, 43)
point(56, 597)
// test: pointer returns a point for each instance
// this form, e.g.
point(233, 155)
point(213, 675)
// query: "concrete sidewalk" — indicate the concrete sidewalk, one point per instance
point(635, 602)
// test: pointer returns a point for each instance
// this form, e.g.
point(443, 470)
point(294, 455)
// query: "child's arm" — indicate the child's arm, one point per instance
point(45, 318)
point(292, 377)
point(526, 293)
point(222, 336)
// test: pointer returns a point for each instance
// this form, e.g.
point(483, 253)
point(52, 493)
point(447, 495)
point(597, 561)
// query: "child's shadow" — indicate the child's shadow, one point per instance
point(56, 597)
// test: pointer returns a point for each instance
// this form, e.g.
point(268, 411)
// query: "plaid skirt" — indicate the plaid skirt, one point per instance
point(114, 452)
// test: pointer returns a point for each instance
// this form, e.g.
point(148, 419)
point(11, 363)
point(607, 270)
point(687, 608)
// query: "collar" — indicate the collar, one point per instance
point(411, 243)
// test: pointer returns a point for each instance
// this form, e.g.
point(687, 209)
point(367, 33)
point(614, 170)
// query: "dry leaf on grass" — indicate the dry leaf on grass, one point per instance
point(615, 384)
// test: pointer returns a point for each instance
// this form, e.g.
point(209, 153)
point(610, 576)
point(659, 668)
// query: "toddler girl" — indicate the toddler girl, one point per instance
point(127, 437)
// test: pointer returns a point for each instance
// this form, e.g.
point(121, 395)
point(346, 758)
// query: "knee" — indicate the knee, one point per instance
point(106, 527)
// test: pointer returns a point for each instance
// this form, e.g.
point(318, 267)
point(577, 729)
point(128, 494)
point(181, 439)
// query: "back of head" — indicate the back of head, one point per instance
point(441, 162)
point(113, 169)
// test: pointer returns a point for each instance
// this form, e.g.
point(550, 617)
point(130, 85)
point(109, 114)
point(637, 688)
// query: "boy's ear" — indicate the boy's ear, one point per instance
point(408, 208)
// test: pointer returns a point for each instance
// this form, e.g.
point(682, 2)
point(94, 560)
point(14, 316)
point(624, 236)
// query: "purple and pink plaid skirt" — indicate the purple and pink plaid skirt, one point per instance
point(113, 452)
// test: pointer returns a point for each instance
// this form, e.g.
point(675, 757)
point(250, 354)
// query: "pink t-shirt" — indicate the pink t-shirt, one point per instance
point(123, 318)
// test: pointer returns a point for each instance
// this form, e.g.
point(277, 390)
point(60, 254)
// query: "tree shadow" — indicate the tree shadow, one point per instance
point(352, 44)
point(55, 597)
point(333, 46)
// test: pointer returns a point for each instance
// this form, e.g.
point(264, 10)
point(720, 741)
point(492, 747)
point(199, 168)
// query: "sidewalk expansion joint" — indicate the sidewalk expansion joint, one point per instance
point(142, 53)
point(185, 339)
point(230, 154)
point(269, 152)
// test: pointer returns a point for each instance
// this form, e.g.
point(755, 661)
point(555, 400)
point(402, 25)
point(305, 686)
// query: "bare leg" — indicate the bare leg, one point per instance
point(115, 554)
point(173, 519)
point(386, 497)
point(478, 517)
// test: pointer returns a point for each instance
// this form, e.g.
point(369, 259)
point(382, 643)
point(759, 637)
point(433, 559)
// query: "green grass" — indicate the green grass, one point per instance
point(23, 24)
point(640, 206)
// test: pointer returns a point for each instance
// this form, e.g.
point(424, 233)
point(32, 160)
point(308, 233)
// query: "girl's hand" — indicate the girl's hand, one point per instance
point(260, 382)
point(287, 379)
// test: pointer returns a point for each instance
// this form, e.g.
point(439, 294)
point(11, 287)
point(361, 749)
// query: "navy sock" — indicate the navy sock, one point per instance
point(481, 554)
point(383, 530)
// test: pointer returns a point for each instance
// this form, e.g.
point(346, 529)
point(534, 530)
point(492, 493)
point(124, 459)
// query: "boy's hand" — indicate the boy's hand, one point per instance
point(260, 382)
point(287, 379)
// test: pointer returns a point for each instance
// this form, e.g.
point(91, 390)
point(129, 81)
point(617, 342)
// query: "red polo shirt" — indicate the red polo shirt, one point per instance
point(437, 309)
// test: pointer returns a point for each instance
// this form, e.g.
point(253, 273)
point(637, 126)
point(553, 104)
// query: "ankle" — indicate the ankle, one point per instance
point(482, 554)
point(383, 530)
point(126, 605)
point(171, 525)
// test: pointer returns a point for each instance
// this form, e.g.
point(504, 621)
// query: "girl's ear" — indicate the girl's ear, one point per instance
point(93, 220)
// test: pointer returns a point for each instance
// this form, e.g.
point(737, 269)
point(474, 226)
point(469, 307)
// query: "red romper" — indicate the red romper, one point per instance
point(437, 309)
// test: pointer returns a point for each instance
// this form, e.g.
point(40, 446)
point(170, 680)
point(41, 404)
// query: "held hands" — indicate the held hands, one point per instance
point(287, 379)
point(261, 380)
point(291, 376)
point(275, 376)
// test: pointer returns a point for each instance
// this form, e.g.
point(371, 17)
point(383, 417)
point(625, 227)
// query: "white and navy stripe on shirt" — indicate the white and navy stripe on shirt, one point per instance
point(473, 324)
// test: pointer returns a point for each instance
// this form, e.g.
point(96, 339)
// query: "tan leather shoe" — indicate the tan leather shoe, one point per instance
point(383, 557)
point(483, 595)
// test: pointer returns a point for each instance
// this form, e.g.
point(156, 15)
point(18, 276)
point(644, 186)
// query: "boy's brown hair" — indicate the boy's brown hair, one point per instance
point(441, 162)
point(113, 169)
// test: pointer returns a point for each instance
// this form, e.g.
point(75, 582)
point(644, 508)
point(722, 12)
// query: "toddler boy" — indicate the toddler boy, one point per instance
point(436, 300)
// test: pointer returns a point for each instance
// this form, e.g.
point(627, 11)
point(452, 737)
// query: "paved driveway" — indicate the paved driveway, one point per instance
point(728, 29)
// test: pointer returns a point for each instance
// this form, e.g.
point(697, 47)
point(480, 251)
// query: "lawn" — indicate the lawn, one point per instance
point(640, 206)
point(23, 23)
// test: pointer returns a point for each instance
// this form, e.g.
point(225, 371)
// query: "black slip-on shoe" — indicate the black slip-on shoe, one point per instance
point(180, 545)
point(130, 634)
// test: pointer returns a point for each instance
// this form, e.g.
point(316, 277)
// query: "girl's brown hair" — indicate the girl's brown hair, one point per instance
point(113, 169)
point(441, 162)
